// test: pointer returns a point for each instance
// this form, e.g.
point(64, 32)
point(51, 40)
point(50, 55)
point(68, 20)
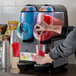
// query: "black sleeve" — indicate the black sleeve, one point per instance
point(66, 30)
point(66, 48)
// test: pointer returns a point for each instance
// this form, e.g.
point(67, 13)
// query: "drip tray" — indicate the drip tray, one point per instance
point(38, 68)
point(43, 68)
point(25, 66)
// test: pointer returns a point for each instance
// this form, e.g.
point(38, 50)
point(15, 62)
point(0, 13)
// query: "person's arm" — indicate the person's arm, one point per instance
point(66, 48)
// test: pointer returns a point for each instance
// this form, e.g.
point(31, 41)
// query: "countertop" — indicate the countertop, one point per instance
point(70, 70)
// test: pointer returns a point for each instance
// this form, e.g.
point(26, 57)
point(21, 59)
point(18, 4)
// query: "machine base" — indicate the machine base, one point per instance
point(39, 68)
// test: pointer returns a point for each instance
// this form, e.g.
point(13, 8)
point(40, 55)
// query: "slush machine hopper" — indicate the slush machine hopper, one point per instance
point(36, 42)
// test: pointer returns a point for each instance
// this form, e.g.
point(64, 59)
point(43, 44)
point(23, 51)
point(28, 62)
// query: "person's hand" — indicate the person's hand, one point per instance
point(42, 60)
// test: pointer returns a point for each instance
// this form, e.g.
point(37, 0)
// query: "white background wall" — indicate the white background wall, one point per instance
point(10, 10)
